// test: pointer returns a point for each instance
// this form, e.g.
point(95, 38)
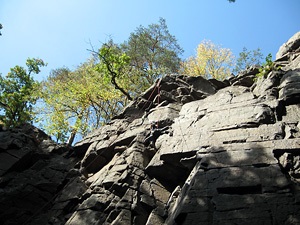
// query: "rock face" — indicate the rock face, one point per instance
point(187, 151)
point(32, 170)
point(290, 46)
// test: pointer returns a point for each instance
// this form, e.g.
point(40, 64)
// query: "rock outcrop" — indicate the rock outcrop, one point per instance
point(33, 170)
point(187, 151)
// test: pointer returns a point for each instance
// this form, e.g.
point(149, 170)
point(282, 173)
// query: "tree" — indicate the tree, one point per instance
point(211, 61)
point(76, 102)
point(1, 29)
point(248, 58)
point(51, 112)
point(153, 51)
point(18, 93)
point(134, 65)
point(113, 64)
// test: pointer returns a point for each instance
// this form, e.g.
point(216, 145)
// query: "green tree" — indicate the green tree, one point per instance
point(50, 109)
point(153, 51)
point(18, 93)
point(211, 61)
point(135, 64)
point(76, 102)
point(248, 58)
point(113, 64)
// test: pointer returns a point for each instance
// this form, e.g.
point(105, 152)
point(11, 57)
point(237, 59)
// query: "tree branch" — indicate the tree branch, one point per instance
point(113, 78)
point(4, 105)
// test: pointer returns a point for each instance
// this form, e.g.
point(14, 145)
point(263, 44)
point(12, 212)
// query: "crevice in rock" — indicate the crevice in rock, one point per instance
point(242, 190)
point(289, 163)
point(180, 218)
point(232, 209)
point(235, 141)
point(71, 205)
point(25, 162)
point(81, 150)
point(239, 126)
point(12, 154)
point(278, 152)
point(171, 176)
point(62, 185)
point(280, 110)
point(293, 99)
point(260, 165)
point(112, 215)
point(124, 142)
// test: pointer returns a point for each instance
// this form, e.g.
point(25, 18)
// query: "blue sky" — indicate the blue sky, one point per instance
point(59, 31)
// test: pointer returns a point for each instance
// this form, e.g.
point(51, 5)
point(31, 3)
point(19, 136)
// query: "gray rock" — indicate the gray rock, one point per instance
point(219, 84)
point(290, 87)
point(291, 45)
point(155, 219)
point(123, 218)
point(86, 217)
point(246, 78)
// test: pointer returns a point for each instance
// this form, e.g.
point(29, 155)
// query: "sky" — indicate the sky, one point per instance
point(61, 31)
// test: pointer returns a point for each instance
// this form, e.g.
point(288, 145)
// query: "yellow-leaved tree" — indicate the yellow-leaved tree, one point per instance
point(77, 102)
point(210, 61)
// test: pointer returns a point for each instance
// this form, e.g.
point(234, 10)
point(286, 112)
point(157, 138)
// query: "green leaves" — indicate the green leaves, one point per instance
point(134, 65)
point(267, 67)
point(81, 100)
point(18, 93)
point(113, 64)
point(34, 65)
point(153, 50)
point(248, 58)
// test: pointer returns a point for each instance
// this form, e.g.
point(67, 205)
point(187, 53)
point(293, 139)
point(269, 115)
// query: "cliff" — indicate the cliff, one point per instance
point(187, 151)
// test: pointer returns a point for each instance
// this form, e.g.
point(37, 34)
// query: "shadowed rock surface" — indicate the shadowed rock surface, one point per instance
point(193, 151)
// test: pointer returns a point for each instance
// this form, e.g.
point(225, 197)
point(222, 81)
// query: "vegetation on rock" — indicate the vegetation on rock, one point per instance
point(267, 66)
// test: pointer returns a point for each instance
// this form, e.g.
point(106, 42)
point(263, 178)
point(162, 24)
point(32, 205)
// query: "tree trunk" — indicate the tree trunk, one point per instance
point(71, 138)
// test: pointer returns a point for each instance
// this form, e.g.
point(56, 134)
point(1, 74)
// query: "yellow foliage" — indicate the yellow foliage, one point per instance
point(211, 61)
point(78, 101)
